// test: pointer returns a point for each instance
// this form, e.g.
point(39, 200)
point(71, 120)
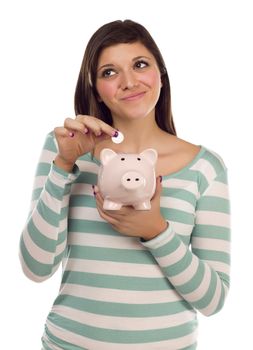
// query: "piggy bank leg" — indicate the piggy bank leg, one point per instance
point(142, 206)
point(109, 205)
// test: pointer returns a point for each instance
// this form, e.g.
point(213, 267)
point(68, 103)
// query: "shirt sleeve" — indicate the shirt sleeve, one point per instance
point(200, 274)
point(44, 237)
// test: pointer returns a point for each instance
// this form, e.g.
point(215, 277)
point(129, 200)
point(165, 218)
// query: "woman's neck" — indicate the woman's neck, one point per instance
point(138, 135)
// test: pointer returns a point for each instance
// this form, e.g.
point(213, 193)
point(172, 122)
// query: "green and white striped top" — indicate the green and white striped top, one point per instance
point(117, 292)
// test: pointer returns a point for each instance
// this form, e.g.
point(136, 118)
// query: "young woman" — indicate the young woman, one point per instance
point(131, 279)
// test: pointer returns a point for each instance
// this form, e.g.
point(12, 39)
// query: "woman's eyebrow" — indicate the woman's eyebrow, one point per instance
point(106, 66)
point(139, 57)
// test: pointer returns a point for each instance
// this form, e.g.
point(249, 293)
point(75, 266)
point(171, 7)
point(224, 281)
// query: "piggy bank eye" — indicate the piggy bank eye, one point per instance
point(122, 159)
point(138, 158)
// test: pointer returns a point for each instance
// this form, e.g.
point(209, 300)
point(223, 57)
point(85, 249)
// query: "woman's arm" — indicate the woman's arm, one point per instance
point(200, 275)
point(43, 240)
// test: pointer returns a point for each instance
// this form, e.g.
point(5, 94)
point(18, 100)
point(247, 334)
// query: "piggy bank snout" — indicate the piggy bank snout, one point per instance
point(132, 180)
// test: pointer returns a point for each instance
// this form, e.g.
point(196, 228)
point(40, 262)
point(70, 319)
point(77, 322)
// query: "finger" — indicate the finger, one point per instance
point(99, 199)
point(106, 215)
point(61, 131)
point(92, 125)
point(75, 125)
point(112, 216)
point(96, 125)
point(95, 189)
point(100, 138)
point(107, 129)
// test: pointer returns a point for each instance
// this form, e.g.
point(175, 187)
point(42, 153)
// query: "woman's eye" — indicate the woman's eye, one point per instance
point(108, 73)
point(141, 64)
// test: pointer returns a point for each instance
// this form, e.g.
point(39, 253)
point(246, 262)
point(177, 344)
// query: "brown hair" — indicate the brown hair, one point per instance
point(119, 32)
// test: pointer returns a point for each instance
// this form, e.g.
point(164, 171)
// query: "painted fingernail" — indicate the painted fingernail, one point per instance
point(71, 134)
point(93, 188)
point(160, 178)
point(116, 133)
point(118, 138)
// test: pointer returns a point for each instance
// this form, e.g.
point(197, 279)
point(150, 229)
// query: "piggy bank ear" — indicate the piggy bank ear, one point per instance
point(106, 155)
point(150, 154)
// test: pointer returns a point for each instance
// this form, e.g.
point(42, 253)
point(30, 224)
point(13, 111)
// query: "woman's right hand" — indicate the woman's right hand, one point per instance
point(79, 136)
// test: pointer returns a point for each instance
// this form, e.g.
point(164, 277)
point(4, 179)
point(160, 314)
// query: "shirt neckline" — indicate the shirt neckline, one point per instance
point(174, 174)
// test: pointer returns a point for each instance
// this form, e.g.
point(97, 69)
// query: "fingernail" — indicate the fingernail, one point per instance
point(71, 134)
point(93, 188)
point(118, 137)
point(160, 178)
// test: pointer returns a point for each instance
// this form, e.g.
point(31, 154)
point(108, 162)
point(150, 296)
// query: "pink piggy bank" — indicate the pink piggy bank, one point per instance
point(127, 179)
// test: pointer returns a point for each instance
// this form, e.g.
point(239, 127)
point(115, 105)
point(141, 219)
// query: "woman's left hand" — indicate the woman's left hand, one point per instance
point(145, 224)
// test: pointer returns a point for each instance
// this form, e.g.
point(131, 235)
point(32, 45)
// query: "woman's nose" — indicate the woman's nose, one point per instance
point(128, 80)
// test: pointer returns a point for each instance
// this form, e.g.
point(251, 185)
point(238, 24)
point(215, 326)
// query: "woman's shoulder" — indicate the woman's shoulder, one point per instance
point(185, 150)
point(207, 162)
point(186, 155)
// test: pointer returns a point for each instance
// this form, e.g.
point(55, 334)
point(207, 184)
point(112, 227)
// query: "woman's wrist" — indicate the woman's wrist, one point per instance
point(63, 164)
point(163, 227)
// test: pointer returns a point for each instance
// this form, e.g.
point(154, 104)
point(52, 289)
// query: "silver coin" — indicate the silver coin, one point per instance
point(119, 138)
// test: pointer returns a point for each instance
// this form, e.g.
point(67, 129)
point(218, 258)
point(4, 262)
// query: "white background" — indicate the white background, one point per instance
point(207, 46)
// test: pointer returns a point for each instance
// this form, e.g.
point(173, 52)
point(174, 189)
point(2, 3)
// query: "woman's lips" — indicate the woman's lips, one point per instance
point(133, 97)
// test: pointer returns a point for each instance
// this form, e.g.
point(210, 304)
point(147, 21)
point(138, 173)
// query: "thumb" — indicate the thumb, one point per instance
point(102, 137)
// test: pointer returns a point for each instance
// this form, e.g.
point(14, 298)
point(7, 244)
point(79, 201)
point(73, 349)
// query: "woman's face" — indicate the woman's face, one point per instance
point(128, 80)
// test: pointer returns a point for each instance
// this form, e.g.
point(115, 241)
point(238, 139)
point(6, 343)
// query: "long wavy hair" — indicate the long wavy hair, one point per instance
point(113, 33)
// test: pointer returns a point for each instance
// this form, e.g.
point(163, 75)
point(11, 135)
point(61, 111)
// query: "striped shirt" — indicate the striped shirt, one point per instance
point(117, 292)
